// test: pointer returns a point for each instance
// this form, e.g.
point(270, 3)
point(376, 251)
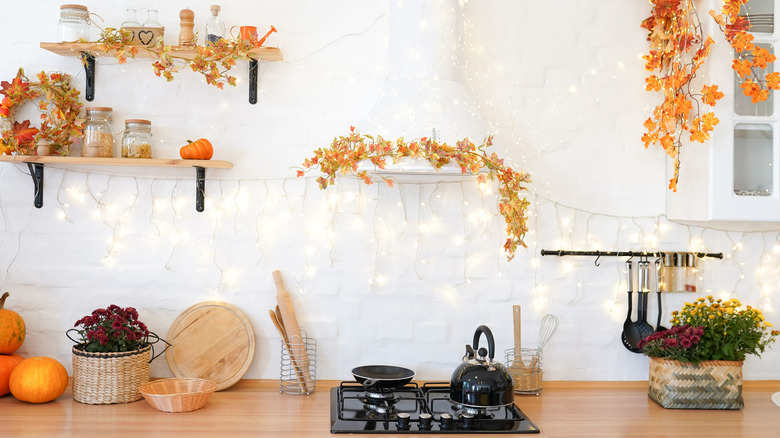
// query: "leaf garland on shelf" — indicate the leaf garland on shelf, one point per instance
point(59, 106)
point(214, 60)
point(345, 152)
point(678, 50)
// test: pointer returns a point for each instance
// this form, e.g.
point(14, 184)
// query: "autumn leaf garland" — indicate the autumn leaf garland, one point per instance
point(677, 52)
point(345, 152)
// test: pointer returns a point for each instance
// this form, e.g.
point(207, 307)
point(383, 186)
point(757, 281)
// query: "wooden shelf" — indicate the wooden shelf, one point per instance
point(36, 165)
point(141, 162)
point(88, 52)
point(75, 49)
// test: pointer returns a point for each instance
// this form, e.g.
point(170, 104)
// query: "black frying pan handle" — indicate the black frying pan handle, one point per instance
point(370, 383)
point(491, 343)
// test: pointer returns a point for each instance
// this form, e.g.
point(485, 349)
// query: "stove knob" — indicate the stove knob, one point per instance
point(446, 422)
point(468, 421)
point(426, 421)
point(403, 421)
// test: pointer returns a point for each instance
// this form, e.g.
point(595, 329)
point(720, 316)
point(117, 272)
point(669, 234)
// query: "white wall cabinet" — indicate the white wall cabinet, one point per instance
point(736, 176)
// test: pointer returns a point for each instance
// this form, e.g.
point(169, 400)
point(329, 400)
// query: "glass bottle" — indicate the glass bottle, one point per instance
point(73, 24)
point(215, 28)
point(131, 19)
point(98, 133)
point(151, 19)
point(137, 141)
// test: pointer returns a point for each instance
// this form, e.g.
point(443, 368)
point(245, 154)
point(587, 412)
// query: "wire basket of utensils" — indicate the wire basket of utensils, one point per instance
point(298, 369)
point(525, 367)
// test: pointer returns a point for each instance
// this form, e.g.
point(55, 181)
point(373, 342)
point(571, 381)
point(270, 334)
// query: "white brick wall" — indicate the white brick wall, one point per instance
point(562, 88)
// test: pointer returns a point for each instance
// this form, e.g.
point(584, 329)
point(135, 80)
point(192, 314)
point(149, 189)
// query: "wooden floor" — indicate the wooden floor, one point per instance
point(253, 408)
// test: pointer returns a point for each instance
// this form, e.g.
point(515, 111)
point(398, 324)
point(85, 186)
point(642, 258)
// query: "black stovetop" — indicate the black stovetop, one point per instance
point(419, 410)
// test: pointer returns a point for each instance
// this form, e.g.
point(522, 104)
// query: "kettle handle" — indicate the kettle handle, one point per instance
point(483, 329)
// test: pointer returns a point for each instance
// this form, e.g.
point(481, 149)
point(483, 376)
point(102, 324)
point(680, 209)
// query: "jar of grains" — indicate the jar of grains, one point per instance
point(73, 24)
point(98, 134)
point(137, 141)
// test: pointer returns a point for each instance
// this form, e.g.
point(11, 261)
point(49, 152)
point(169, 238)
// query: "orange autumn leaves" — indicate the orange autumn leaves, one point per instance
point(346, 151)
point(677, 52)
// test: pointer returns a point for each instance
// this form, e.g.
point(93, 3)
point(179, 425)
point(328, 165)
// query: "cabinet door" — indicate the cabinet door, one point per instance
point(741, 180)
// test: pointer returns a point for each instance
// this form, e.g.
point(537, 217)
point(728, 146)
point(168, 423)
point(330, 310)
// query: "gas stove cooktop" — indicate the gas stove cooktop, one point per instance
point(419, 410)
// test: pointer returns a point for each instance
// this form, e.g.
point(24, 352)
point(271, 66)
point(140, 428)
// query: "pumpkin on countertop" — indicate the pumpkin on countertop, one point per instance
point(38, 380)
point(12, 328)
point(7, 364)
point(200, 149)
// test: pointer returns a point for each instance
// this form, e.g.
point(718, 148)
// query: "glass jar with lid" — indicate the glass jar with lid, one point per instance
point(137, 141)
point(98, 133)
point(73, 24)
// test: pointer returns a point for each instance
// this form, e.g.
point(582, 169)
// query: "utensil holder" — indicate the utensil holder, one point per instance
point(525, 368)
point(291, 379)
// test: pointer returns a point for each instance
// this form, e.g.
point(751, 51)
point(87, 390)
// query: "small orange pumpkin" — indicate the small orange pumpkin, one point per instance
point(200, 149)
point(7, 364)
point(38, 380)
point(12, 328)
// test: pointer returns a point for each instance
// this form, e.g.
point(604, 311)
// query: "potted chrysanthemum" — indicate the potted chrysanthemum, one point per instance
point(111, 356)
point(697, 363)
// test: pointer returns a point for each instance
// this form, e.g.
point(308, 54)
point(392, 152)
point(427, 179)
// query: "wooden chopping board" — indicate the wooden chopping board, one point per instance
point(211, 340)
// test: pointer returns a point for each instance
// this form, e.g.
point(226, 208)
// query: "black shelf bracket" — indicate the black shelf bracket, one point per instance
point(253, 65)
point(89, 69)
point(200, 188)
point(36, 172)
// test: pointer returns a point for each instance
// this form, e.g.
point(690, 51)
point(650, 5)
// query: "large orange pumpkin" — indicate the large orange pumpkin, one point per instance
point(200, 149)
point(7, 364)
point(38, 380)
point(12, 328)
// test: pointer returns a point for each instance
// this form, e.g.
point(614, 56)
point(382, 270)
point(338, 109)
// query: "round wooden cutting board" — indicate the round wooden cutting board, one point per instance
point(211, 340)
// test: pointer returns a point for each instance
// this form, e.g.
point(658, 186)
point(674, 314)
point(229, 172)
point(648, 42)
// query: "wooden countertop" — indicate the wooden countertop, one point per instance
point(255, 407)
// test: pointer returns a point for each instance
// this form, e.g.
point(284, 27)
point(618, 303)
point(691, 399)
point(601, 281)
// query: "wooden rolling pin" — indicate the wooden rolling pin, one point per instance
point(293, 331)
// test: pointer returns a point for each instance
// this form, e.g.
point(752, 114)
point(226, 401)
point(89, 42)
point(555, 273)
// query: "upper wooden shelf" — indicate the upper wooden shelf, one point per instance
point(158, 162)
point(75, 49)
point(89, 51)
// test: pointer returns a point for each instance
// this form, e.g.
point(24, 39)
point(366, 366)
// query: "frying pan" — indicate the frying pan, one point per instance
point(382, 376)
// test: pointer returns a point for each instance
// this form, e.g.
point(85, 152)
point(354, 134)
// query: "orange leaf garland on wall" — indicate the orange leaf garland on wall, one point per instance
point(677, 51)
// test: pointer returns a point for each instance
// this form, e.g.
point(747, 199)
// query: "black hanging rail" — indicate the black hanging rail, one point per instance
point(562, 253)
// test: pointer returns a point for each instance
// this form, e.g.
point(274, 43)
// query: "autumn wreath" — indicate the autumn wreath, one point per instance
point(59, 106)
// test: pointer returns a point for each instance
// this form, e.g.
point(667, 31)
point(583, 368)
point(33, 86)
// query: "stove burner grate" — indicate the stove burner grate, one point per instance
point(418, 409)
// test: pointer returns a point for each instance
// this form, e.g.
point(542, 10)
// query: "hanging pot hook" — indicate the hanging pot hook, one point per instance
point(598, 256)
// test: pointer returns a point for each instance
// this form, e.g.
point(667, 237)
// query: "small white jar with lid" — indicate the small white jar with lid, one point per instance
point(74, 23)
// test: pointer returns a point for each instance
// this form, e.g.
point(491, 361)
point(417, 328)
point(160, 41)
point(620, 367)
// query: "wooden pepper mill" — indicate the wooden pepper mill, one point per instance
point(187, 36)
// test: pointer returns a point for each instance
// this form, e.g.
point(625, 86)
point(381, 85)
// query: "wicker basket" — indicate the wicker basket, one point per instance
point(715, 384)
point(107, 378)
point(178, 394)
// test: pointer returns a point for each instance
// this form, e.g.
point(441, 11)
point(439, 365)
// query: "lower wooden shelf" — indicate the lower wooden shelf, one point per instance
point(36, 165)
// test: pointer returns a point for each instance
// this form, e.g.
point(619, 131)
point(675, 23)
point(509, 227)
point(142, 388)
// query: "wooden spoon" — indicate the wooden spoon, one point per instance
point(283, 334)
point(517, 361)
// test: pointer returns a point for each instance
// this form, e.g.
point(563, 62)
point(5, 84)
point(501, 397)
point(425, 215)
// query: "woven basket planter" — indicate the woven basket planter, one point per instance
point(715, 384)
point(107, 378)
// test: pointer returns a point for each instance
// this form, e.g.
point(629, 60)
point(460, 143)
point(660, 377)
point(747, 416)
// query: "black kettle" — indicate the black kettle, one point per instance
point(480, 381)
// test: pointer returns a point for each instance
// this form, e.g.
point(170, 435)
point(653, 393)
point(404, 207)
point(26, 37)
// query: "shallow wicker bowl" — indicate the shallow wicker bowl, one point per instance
point(178, 394)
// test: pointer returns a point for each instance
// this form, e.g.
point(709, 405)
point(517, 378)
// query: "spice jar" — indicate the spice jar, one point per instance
point(73, 24)
point(137, 141)
point(98, 133)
